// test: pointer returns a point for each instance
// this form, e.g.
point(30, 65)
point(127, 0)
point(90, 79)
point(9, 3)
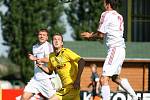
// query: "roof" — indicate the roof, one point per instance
point(95, 49)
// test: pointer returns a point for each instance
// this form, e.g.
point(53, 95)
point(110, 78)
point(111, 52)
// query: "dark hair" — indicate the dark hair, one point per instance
point(113, 3)
point(59, 34)
point(42, 30)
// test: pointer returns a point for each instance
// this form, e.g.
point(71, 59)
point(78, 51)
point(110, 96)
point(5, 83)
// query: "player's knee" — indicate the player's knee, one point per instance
point(115, 78)
point(25, 96)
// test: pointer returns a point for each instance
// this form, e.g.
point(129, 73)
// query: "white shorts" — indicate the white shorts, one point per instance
point(113, 62)
point(44, 87)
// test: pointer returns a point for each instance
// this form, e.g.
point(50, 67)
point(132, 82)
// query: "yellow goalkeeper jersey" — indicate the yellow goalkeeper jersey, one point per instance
point(66, 65)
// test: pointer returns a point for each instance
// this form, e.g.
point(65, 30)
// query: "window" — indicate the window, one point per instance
point(140, 17)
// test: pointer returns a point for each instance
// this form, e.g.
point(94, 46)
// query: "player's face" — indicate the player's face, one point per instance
point(107, 6)
point(43, 37)
point(57, 42)
point(93, 69)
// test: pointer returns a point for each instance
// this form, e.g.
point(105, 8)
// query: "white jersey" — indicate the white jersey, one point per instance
point(41, 51)
point(111, 24)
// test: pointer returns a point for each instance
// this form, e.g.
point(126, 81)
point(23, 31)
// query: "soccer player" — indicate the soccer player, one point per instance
point(111, 28)
point(40, 82)
point(94, 82)
point(69, 67)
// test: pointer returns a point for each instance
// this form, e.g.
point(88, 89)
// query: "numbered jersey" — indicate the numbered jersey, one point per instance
point(111, 24)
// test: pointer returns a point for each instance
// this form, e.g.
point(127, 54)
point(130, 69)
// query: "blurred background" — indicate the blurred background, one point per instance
point(20, 20)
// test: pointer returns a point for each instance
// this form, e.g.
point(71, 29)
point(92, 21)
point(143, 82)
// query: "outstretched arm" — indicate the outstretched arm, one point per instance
point(81, 64)
point(92, 35)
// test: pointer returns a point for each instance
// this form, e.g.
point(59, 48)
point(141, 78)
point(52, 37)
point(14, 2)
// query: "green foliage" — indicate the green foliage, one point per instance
point(83, 15)
point(21, 22)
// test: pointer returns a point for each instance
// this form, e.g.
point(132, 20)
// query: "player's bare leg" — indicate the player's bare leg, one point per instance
point(105, 89)
point(26, 96)
point(125, 85)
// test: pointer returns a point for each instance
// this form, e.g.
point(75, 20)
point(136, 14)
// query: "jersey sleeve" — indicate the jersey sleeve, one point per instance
point(72, 55)
point(104, 22)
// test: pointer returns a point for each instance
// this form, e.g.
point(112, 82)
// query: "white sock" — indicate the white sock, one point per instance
point(125, 84)
point(105, 90)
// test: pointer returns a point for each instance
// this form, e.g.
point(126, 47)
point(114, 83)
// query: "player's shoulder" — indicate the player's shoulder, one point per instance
point(106, 15)
point(65, 49)
point(114, 12)
point(35, 45)
point(47, 43)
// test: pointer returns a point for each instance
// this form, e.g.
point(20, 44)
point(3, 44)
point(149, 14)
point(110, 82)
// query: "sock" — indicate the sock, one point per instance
point(105, 91)
point(125, 84)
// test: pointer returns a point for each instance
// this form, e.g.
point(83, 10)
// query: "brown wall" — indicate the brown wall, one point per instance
point(134, 71)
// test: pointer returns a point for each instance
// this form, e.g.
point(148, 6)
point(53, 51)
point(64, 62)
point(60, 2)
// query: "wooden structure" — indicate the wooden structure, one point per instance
point(135, 70)
point(135, 67)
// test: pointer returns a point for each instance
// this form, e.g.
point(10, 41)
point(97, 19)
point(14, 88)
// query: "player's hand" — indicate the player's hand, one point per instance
point(40, 65)
point(86, 35)
point(76, 84)
point(38, 61)
point(31, 57)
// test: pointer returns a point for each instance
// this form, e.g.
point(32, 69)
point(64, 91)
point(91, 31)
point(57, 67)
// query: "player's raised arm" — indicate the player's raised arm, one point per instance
point(86, 35)
point(92, 35)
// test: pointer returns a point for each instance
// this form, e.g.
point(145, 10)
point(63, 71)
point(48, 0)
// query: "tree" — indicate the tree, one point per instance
point(21, 22)
point(83, 15)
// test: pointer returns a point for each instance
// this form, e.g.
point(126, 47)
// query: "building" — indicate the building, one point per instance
point(137, 20)
point(135, 67)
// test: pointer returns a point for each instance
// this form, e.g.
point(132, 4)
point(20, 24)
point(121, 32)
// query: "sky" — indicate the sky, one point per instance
point(67, 35)
point(4, 49)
